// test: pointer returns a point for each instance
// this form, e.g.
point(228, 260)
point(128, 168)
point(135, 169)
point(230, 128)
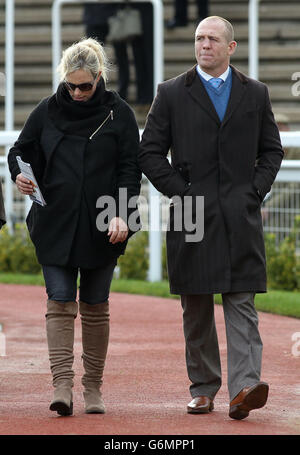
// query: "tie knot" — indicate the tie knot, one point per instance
point(216, 82)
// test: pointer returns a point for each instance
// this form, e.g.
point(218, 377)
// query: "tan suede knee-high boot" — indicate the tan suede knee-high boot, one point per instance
point(60, 336)
point(95, 335)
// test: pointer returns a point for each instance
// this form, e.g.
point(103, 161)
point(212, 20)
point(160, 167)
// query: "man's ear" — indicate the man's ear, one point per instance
point(232, 47)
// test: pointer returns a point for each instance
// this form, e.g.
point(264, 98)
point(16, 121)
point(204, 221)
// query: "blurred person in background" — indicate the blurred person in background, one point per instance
point(96, 20)
point(82, 143)
point(181, 13)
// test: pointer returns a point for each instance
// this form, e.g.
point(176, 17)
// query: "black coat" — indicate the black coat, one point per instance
point(73, 172)
point(224, 162)
point(2, 210)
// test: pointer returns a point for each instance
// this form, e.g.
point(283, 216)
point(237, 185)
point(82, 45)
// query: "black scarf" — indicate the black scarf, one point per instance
point(81, 118)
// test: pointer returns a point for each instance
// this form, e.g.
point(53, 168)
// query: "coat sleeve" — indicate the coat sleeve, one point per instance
point(2, 210)
point(27, 144)
point(154, 148)
point(270, 152)
point(128, 172)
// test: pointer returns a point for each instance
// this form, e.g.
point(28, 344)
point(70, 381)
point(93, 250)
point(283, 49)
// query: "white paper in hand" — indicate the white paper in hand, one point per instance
point(27, 172)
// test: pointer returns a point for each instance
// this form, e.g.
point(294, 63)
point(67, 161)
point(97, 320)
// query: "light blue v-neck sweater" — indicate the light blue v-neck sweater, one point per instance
point(219, 97)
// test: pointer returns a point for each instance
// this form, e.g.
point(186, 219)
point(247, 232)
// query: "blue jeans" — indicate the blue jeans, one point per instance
point(61, 283)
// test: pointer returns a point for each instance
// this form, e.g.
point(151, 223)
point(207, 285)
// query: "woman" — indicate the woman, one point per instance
point(82, 143)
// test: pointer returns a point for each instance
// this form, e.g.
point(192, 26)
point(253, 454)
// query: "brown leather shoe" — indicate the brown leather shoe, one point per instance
point(249, 398)
point(200, 405)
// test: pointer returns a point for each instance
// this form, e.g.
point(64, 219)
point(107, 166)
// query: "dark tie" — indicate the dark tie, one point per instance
point(216, 82)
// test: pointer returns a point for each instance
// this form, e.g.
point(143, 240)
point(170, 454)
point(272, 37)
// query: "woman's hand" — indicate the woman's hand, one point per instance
point(118, 230)
point(24, 185)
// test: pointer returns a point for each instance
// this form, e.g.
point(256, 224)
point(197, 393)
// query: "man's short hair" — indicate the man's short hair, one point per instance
point(229, 32)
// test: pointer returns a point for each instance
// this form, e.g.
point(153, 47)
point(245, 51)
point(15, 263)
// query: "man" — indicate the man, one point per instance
point(225, 146)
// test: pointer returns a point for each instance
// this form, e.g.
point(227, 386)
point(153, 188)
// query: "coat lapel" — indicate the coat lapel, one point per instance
point(197, 91)
point(238, 90)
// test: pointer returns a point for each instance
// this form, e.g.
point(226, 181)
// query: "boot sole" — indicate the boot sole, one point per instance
point(255, 398)
point(62, 408)
point(95, 411)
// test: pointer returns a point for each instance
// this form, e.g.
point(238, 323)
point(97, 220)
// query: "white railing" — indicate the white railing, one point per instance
point(253, 41)
point(289, 172)
point(9, 88)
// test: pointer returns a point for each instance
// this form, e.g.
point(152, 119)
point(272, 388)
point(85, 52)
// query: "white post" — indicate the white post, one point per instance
point(155, 244)
point(155, 262)
point(158, 42)
point(56, 42)
point(9, 99)
point(2, 343)
point(253, 35)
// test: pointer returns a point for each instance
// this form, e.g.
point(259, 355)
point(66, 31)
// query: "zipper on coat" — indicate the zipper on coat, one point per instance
point(111, 115)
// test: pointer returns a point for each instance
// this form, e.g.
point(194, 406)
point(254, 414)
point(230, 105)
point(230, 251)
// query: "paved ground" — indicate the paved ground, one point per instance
point(145, 387)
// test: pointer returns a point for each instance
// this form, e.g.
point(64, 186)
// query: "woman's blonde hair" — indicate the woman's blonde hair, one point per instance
point(87, 54)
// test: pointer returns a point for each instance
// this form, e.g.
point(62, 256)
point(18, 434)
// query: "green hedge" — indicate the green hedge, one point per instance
point(17, 254)
point(135, 262)
point(283, 264)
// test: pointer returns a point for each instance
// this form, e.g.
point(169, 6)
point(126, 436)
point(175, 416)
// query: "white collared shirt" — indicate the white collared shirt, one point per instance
point(207, 76)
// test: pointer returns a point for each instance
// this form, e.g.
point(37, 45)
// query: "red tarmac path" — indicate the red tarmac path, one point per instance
point(145, 385)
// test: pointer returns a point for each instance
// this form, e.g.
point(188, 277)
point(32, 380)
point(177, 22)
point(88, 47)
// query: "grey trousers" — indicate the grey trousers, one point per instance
point(244, 345)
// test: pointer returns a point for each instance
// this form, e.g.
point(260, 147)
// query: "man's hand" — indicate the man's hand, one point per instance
point(24, 185)
point(118, 230)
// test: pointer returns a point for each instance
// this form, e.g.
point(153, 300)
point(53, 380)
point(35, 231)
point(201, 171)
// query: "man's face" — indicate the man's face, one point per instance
point(212, 48)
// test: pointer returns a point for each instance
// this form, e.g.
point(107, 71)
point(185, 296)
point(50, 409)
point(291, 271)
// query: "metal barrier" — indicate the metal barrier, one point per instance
point(277, 216)
point(281, 207)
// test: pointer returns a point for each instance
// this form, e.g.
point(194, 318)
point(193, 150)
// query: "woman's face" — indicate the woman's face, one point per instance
point(77, 78)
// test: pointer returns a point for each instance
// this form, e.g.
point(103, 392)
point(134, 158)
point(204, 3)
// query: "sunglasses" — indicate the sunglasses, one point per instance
point(85, 87)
